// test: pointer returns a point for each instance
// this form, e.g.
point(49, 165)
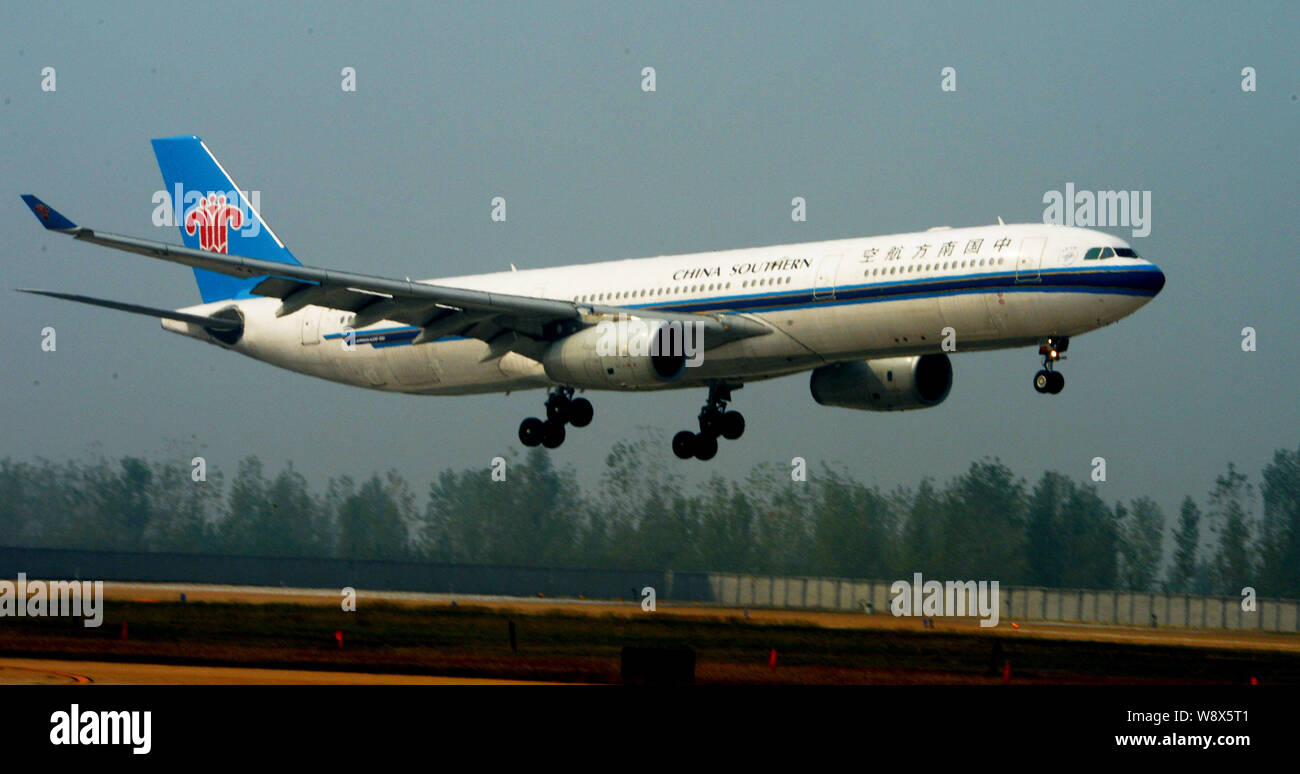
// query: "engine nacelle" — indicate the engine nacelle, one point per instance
point(625, 353)
point(885, 384)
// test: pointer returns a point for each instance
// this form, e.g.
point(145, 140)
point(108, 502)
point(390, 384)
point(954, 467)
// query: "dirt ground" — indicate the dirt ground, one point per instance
point(28, 671)
point(1222, 638)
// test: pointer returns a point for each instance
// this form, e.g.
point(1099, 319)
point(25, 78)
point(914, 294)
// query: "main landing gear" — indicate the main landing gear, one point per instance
point(715, 421)
point(1052, 350)
point(561, 409)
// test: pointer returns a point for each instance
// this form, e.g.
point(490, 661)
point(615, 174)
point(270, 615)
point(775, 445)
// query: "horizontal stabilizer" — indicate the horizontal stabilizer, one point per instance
point(211, 323)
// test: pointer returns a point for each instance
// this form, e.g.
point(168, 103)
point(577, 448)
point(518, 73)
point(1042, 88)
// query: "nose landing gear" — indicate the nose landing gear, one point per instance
point(715, 422)
point(1048, 380)
point(561, 409)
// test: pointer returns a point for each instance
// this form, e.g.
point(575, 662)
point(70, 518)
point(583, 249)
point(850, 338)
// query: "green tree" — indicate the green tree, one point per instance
point(922, 542)
point(1186, 565)
point(1046, 547)
point(1280, 538)
point(373, 521)
point(856, 528)
point(1140, 544)
point(1233, 565)
point(985, 531)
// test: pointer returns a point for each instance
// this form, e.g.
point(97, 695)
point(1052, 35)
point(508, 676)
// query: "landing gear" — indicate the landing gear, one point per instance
point(715, 422)
point(1048, 380)
point(561, 409)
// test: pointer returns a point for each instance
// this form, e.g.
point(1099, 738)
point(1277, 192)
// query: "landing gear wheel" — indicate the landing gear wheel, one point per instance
point(711, 423)
point(733, 425)
point(557, 409)
point(1043, 380)
point(552, 434)
point(684, 444)
point(705, 447)
point(1055, 382)
point(531, 431)
point(580, 412)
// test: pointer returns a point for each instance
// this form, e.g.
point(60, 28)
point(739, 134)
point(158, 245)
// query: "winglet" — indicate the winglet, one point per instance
point(49, 217)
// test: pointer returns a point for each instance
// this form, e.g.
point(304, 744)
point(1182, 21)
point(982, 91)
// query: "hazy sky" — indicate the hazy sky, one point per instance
point(755, 104)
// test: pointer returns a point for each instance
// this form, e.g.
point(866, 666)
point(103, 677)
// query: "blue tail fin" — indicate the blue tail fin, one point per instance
point(215, 215)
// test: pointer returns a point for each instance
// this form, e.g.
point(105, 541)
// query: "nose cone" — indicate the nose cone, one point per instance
point(1157, 281)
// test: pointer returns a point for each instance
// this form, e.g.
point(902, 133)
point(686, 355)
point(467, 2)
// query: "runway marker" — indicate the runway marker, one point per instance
point(338, 635)
point(124, 630)
point(1006, 673)
point(771, 660)
point(1015, 625)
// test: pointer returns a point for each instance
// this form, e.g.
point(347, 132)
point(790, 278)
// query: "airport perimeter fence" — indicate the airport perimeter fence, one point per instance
point(1017, 603)
point(714, 588)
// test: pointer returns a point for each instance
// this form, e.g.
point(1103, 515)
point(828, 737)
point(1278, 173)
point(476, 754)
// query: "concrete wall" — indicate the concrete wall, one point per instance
point(1019, 603)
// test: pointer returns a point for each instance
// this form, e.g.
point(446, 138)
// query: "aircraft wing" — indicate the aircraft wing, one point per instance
point(440, 310)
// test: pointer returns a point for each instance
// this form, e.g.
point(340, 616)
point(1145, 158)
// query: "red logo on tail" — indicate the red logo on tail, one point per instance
point(212, 218)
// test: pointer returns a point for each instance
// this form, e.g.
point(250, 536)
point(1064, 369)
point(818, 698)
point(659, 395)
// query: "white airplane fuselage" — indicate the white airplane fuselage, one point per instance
point(995, 287)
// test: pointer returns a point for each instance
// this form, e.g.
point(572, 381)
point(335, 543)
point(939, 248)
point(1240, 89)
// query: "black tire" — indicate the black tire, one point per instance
point(733, 425)
point(684, 444)
point(531, 431)
point(711, 423)
point(553, 435)
point(705, 447)
point(557, 409)
point(1043, 381)
point(1056, 383)
point(580, 412)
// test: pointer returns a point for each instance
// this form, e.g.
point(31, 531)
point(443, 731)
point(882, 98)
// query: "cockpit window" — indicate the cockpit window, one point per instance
point(1102, 253)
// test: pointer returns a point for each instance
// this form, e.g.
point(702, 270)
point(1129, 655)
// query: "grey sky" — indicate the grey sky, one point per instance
point(541, 104)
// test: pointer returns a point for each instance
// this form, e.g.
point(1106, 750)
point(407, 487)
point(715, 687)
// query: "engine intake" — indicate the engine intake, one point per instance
point(884, 384)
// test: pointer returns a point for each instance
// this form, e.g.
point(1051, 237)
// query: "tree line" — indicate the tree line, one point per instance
point(986, 523)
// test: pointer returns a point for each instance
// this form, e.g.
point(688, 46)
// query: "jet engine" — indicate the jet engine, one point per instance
point(884, 384)
point(624, 353)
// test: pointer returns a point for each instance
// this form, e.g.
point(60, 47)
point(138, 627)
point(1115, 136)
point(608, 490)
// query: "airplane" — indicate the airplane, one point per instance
point(873, 319)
